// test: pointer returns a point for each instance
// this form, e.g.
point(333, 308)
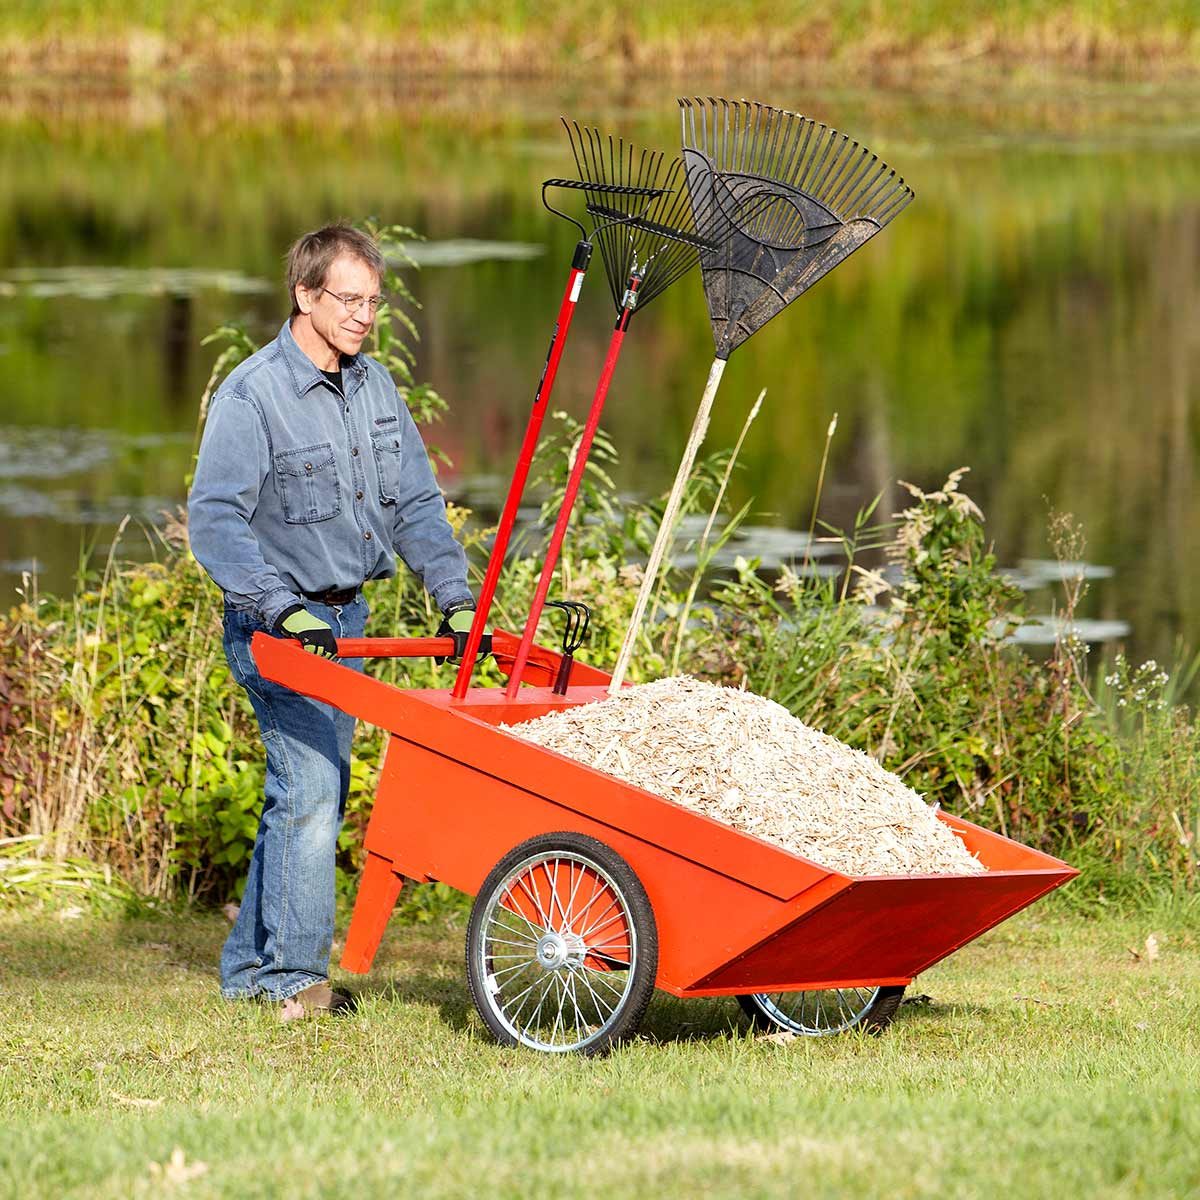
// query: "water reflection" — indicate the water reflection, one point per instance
point(462, 252)
point(103, 283)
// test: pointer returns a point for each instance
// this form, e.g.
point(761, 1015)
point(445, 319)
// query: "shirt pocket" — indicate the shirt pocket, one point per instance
point(307, 482)
point(386, 445)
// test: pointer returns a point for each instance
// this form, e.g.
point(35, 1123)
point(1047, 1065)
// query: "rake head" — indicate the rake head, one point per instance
point(642, 214)
point(784, 199)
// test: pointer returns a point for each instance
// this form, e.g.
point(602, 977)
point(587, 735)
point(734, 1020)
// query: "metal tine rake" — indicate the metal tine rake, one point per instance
point(620, 197)
point(644, 252)
point(783, 199)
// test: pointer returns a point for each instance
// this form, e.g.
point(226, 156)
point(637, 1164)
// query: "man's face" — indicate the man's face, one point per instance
point(339, 325)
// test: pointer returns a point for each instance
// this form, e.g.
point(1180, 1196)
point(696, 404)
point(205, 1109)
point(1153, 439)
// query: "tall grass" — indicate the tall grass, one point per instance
point(534, 36)
point(136, 750)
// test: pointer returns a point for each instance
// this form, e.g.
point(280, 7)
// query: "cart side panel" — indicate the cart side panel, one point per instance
point(997, 852)
point(436, 818)
point(880, 930)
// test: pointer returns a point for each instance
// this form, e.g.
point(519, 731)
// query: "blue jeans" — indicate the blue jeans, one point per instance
point(281, 939)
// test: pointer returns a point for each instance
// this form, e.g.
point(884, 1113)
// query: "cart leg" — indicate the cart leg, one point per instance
point(377, 893)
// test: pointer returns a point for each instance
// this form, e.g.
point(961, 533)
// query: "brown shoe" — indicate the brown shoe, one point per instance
point(315, 1001)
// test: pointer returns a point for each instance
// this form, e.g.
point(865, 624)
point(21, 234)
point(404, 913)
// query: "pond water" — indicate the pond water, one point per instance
point(1034, 315)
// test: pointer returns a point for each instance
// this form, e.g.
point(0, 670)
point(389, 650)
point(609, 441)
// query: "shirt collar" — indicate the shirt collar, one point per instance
point(303, 370)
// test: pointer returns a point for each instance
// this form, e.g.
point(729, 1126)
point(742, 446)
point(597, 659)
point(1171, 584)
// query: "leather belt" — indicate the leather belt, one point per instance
point(333, 596)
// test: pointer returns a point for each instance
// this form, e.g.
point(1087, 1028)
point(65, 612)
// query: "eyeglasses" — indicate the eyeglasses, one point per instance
point(354, 303)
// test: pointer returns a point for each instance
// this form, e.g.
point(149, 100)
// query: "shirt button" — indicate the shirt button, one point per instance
point(308, 466)
point(367, 535)
point(355, 451)
point(358, 495)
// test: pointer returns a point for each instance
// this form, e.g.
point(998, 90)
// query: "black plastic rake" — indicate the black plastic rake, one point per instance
point(795, 198)
point(646, 245)
point(782, 200)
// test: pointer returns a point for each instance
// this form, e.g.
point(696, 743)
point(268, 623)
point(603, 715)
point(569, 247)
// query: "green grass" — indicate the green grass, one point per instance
point(1049, 1062)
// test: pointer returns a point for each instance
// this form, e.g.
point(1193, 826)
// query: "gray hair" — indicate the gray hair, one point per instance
point(311, 256)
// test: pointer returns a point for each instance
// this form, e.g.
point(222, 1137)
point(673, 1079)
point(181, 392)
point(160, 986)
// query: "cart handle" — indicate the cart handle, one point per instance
point(395, 647)
point(504, 648)
point(544, 664)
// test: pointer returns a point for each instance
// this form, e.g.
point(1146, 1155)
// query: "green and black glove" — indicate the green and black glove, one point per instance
point(457, 624)
point(315, 635)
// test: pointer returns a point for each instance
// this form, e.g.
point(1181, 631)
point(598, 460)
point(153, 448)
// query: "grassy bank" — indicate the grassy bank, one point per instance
point(1053, 1057)
point(535, 37)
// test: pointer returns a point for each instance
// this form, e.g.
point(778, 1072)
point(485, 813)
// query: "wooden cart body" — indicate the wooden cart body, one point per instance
point(734, 914)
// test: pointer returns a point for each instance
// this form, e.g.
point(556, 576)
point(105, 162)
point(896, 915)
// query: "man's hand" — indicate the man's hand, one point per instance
point(315, 635)
point(457, 624)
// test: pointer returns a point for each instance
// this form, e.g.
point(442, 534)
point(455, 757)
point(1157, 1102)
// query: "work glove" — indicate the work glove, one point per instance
point(457, 624)
point(315, 635)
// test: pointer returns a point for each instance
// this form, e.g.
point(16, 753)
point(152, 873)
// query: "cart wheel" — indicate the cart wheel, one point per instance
point(826, 1012)
point(562, 949)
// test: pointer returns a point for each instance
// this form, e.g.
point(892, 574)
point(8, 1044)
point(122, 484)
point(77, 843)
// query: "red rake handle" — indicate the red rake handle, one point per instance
point(516, 489)
point(564, 514)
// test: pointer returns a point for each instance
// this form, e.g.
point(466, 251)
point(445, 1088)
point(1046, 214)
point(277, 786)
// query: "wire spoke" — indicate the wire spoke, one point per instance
point(553, 896)
point(574, 890)
point(818, 1013)
point(512, 912)
point(608, 949)
point(614, 902)
point(599, 888)
point(592, 934)
point(541, 1001)
point(604, 977)
point(569, 981)
point(521, 966)
point(512, 1014)
point(534, 899)
point(498, 941)
point(601, 1004)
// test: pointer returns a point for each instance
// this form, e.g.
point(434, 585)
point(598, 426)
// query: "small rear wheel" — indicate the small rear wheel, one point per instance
point(825, 1012)
point(562, 950)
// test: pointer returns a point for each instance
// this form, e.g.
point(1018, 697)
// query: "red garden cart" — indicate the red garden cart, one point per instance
point(590, 892)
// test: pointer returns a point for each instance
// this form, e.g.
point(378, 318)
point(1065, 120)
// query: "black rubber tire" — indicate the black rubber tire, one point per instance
point(874, 1021)
point(639, 917)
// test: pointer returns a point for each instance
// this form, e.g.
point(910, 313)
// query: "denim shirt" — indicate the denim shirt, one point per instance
point(299, 489)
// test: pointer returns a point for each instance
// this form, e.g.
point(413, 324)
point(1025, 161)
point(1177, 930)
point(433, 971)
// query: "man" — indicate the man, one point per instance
point(311, 478)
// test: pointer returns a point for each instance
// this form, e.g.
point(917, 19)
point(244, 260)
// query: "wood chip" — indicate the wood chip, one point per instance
point(747, 762)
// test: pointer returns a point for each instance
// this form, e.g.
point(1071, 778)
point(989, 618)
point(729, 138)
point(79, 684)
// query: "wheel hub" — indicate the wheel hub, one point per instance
point(555, 950)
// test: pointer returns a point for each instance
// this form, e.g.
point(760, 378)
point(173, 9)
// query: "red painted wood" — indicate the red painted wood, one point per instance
point(734, 913)
point(880, 928)
point(378, 890)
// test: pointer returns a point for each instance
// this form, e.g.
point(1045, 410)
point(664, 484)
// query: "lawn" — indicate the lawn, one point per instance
point(1058, 1056)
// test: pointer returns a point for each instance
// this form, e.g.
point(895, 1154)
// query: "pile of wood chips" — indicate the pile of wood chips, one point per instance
point(746, 761)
